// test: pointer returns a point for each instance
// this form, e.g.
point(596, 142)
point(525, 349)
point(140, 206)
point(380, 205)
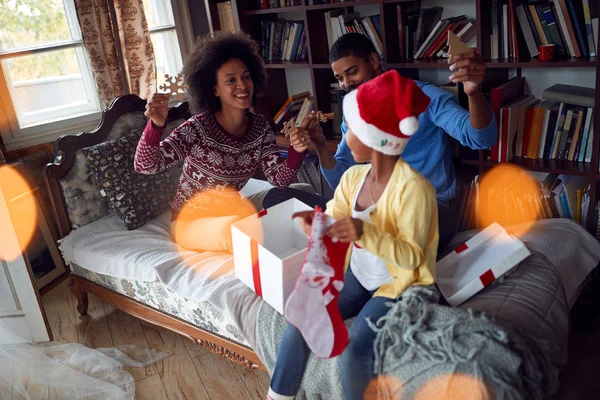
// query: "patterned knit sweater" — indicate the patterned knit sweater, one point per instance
point(214, 159)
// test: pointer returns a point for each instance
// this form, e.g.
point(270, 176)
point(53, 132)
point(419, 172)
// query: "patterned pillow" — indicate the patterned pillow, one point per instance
point(137, 198)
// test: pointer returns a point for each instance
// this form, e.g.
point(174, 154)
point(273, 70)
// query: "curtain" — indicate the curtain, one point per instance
point(117, 39)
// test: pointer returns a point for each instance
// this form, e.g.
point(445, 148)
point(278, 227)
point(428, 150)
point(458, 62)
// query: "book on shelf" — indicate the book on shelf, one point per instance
point(417, 42)
point(559, 127)
point(338, 23)
point(290, 108)
point(283, 40)
point(225, 12)
point(266, 4)
point(518, 27)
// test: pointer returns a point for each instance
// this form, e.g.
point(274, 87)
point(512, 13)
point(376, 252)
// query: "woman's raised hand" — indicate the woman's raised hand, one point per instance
point(157, 109)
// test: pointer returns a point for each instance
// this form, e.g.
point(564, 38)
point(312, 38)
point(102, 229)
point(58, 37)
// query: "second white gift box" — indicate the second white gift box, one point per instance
point(478, 262)
point(268, 251)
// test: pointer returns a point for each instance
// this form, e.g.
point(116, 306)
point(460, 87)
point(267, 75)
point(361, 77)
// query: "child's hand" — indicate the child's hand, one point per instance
point(306, 219)
point(346, 230)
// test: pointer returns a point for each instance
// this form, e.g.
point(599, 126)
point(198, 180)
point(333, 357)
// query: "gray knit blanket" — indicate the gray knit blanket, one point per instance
point(424, 347)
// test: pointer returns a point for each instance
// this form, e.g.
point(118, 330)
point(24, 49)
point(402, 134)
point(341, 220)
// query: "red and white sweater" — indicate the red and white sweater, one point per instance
point(212, 158)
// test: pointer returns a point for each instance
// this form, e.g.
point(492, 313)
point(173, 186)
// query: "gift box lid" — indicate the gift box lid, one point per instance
point(478, 262)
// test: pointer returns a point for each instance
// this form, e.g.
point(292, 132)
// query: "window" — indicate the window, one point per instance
point(163, 33)
point(45, 74)
point(47, 86)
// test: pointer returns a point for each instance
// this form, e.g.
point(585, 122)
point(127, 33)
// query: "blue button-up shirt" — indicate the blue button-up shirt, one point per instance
point(428, 150)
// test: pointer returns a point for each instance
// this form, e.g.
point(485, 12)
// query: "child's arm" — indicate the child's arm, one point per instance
point(339, 207)
point(416, 212)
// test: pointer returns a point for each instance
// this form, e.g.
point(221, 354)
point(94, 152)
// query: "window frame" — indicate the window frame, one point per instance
point(12, 134)
point(15, 137)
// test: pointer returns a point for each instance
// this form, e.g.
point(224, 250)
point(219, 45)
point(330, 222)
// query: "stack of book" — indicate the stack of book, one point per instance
point(318, 2)
point(283, 41)
point(559, 128)
point(338, 23)
point(423, 33)
point(226, 16)
point(518, 28)
point(569, 196)
point(290, 109)
point(559, 196)
point(266, 4)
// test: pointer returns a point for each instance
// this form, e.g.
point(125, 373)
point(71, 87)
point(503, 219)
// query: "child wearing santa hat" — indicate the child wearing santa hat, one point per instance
point(388, 211)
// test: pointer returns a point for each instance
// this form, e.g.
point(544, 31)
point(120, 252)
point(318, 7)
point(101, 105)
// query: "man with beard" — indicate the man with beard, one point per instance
point(354, 61)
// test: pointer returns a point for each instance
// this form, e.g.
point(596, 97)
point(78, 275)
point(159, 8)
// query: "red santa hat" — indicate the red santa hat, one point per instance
point(382, 113)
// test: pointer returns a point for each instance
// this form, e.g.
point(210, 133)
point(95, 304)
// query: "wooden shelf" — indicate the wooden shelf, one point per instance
point(286, 64)
point(273, 10)
point(342, 5)
point(535, 63)
point(543, 165)
point(469, 162)
point(437, 63)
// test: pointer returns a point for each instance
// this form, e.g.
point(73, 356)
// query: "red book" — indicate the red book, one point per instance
point(513, 29)
point(500, 96)
point(527, 130)
point(441, 38)
point(504, 144)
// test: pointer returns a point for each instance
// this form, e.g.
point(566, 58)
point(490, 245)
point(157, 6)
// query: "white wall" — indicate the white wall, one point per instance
point(298, 80)
point(538, 80)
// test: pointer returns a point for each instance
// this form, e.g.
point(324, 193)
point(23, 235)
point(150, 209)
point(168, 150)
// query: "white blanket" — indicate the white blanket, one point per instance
point(106, 247)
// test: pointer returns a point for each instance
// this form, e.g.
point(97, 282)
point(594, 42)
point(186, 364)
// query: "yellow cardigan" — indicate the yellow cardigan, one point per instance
point(404, 232)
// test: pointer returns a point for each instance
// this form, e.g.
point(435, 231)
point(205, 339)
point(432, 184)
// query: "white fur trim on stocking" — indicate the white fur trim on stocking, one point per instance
point(369, 134)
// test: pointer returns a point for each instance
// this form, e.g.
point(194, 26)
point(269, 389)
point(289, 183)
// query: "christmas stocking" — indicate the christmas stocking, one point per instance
point(313, 305)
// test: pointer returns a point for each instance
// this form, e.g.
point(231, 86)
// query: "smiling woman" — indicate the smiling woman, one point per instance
point(221, 147)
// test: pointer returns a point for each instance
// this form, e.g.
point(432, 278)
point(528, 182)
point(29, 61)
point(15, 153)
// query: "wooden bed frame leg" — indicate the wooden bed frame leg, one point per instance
point(80, 295)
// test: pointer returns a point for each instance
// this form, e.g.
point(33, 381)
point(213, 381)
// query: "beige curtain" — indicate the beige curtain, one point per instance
point(120, 66)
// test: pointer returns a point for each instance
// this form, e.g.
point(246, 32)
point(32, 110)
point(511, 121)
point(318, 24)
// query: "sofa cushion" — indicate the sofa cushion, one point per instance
point(137, 198)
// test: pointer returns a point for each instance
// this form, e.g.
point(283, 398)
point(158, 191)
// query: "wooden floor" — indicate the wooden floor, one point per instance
point(190, 372)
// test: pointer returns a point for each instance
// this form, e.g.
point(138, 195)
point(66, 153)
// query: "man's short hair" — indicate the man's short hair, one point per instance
point(351, 44)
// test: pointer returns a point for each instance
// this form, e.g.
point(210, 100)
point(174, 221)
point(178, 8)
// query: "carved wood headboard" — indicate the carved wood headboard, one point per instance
point(68, 145)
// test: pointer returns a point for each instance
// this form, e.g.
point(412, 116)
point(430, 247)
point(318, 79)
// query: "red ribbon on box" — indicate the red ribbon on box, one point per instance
point(255, 262)
point(461, 248)
point(487, 278)
point(255, 267)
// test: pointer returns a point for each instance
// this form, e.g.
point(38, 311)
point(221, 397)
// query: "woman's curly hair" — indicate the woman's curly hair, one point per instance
point(209, 54)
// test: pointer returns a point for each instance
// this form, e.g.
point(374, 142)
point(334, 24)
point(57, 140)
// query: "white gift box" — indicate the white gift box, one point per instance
point(478, 262)
point(268, 251)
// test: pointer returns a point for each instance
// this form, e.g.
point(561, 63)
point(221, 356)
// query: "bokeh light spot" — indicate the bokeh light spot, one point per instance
point(509, 196)
point(454, 387)
point(22, 209)
point(384, 387)
point(204, 223)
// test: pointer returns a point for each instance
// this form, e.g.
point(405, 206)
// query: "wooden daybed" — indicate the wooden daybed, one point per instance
point(80, 286)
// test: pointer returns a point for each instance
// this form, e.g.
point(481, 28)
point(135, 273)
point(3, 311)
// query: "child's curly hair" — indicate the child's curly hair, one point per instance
point(208, 55)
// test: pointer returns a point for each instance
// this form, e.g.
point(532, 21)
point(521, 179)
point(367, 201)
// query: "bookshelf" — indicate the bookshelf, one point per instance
point(248, 17)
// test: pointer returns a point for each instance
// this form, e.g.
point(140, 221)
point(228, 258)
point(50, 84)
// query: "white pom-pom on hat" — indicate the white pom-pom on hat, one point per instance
point(409, 126)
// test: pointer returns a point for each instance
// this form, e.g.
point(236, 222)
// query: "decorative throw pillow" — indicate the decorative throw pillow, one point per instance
point(137, 198)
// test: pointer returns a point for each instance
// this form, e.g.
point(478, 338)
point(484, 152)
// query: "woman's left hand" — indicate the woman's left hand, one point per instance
point(300, 139)
point(346, 230)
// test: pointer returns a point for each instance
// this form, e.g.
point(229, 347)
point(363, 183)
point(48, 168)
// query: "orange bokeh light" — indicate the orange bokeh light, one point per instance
point(221, 208)
point(22, 207)
point(384, 387)
point(509, 196)
point(454, 387)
